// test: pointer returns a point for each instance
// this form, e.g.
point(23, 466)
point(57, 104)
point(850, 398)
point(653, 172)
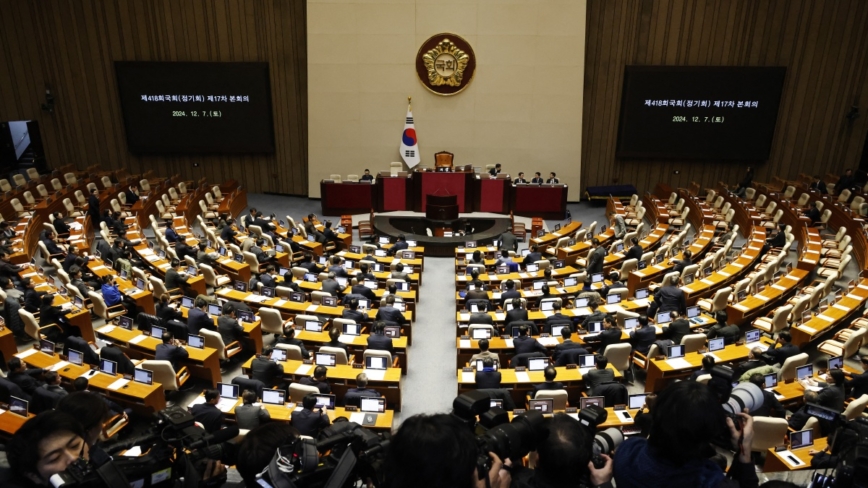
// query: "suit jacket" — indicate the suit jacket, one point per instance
point(399, 246)
point(60, 227)
point(166, 313)
point(514, 315)
point(608, 337)
point(832, 397)
point(781, 354)
point(209, 416)
point(643, 338)
point(364, 291)
point(507, 295)
point(595, 260)
point(381, 342)
point(481, 318)
point(228, 234)
point(595, 377)
point(670, 298)
point(197, 319)
point(746, 366)
point(676, 330)
point(332, 287)
point(26, 379)
point(114, 353)
point(526, 344)
point(249, 416)
point(509, 241)
point(266, 371)
point(483, 355)
point(548, 385)
point(171, 353)
point(267, 280)
point(814, 214)
point(531, 258)
point(557, 318)
point(323, 387)
point(476, 295)
point(488, 379)
point(634, 252)
point(309, 422)
point(770, 403)
point(354, 396)
point(537, 181)
point(391, 314)
point(174, 279)
point(172, 236)
point(229, 329)
point(354, 315)
point(859, 384)
point(567, 345)
point(295, 342)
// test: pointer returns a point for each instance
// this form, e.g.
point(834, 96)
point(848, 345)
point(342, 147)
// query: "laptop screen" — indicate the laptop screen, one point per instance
point(770, 380)
point(157, 332)
point(125, 322)
point(278, 354)
point(585, 402)
point(371, 284)
point(836, 362)
point(482, 333)
point(692, 312)
point(196, 341)
point(542, 405)
point(274, 397)
point(227, 390)
point(595, 327)
point(352, 329)
point(108, 366)
point(381, 253)
point(676, 351)
point(537, 285)
point(18, 406)
point(664, 317)
point(376, 362)
point(631, 323)
point(310, 277)
point(186, 302)
point(716, 344)
point(532, 268)
point(393, 331)
point(325, 401)
point(479, 366)
point(325, 359)
point(537, 364)
point(641, 293)
point(267, 291)
point(143, 376)
point(802, 438)
point(214, 310)
point(329, 302)
point(613, 298)
point(581, 302)
point(636, 402)
point(313, 326)
point(496, 403)
point(372, 404)
point(557, 329)
point(75, 357)
point(547, 306)
point(752, 336)
point(597, 278)
point(240, 286)
point(571, 282)
point(46, 346)
point(805, 371)
point(587, 361)
point(246, 316)
point(296, 297)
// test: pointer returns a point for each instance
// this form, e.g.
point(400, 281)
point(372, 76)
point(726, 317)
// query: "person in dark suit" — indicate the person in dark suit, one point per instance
point(680, 264)
point(596, 257)
point(484, 353)
point(228, 327)
point(208, 414)
point(308, 263)
point(596, 315)
point(537, 179)
point(857, 385)
point(170, 350)
point(367, 176)
point(334, 336)
point(132, 195)
point(510, 293)
point(707, 366)
point(391, 314)
point(248, 219)
point(365, 270)
point(846, 182)
point(228, 233)
point(600, 374)
point(52, 314)
point(771, 406)
point(533, 256)
point(801, 416)
point(668, 298)
point(60, 226)
point(495, 170)
point(813, 213)
point(553, 180)
point(269, 278)
point(488, 377)
point(520, 179)
point(610, 335)
point(400, 245)
point(642, 337)
point(754, 360)
point(171, 235)
point(615, 278)
point(26, 379)
point(557, 318)
point(262, 368)
point(352, 312)
point(745, 182)
point(353, 395)
point(93, 208)
point(174, 278)
point(508, 240)
point(550, 373)
point(249, 416)
point(476, 291)
point(526, 344)
point(318, 380)
point(197, 318)
point(482, 316)
point(288, 337)
point(166, 312)
point(729, 332)
point(780, 354)
point(819, 185)
point(309, 420)
point(724, 236)
point(331, 286)
point(566, 345)
point(113, 353)
point(832, 396)
point(361, 289)
point(378, 340)
point(330, 234)
point(635, 251)
point(678, 328)
point(518, 313)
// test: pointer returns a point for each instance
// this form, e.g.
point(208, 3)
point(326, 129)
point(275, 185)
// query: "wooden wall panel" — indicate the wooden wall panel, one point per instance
point(823, 44)
point(72, 45)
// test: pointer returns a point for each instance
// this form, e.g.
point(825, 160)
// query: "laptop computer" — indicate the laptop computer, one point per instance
point(532, 268)
point(496, 403)
point(245, 316)
point(125, 322)
point(594, 327)
point(372, 404)
point(108, 367)
point(313, 326)
point(542, 405)
point(393, 331)
point(581, 302)
point(278, 355)
point(585, 402)
point(214, 310)
point(752, 336)
point(631, 323)
point(228, 396)
point(558, 328)
point(376, 362)
point(186, 302)
point(352, 329)
point(568, 282)
point(75, 357)
point(46, 346)
point(157, 332)
point(802, 438)
point(547, 306)
point(642, 293)
point(805, 371)
point(296, 297)
point(836, 362)
point(325, 402)
point(597, 278)
point(635, 402)
point(267, 291)
point(693, 314)
point(770, 380)
point(613, 299)
point(716, 344)
point(143, 376)
point(18, 406)
point(477, 334)
point(537, 364)
point(325, 359)
point(196, 341)
point(587, 361)
point(274, 397)
point(664, 317)
point(329, 301)
point(675, 351)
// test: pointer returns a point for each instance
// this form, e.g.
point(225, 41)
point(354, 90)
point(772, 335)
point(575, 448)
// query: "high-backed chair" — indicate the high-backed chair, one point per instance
point(272, 321)
point(297, 392)
point(692, 342)
point(619, 355)
point(844, 346)
point(443, 159)
point(103, 311)
point(559, 397)
point(788, 369)
point(718, 302)
point(215, 341)
point(380, 354)
point(165, 374)
point(776, 322)
point(31, 325)
point(340, 354)
point(856, 407)
point(768, 432)
point(293, 352)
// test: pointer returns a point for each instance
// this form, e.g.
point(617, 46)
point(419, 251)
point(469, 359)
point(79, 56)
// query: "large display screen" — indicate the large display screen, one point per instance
point(196, 107)
point(699, 112)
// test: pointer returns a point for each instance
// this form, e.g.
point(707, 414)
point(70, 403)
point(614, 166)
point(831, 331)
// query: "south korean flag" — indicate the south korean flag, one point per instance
point(409, 143)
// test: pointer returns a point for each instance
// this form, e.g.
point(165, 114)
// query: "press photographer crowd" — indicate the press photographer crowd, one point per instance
point(688, 433)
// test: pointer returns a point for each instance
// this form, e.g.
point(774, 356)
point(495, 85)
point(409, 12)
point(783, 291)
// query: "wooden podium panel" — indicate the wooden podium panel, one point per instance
point(441, 207)
point(493, 195)
point(459, 184)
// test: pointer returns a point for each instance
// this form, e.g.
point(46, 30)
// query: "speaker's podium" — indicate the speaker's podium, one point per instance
point(441, 207)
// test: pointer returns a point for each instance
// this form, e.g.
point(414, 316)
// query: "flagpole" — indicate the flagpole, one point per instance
point(409, 105)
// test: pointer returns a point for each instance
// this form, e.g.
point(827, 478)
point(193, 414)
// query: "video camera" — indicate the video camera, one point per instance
point(174, 449)
point(850, 448)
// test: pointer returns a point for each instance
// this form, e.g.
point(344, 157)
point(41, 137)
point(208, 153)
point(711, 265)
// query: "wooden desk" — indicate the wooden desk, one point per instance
point(643, 277)
point(357, 344)
point(202, 363)
point(775, 462)
point(252, 330)
point(730, 273)
point(144, 298)
point(8, 347)
point(660, 372)
point(613, 261)
point(11, 422)
point(755, 305)
point(342, 377)
point(832, 317)
point(145, 399)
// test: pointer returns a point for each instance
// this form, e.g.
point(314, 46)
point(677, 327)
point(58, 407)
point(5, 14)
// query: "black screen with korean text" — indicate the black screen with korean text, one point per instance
point(699, 112)
point(196, 107)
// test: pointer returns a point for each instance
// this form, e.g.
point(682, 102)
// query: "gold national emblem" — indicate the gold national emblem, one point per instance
point(445, 64)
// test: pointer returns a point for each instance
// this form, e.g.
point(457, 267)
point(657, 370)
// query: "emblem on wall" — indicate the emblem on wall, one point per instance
point(445, 64)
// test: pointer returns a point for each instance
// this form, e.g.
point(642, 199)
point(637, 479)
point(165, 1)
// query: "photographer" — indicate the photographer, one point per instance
point(564, 458)
point(44, 446)
point(421, 439)
point(258, 447)
point(686, 417)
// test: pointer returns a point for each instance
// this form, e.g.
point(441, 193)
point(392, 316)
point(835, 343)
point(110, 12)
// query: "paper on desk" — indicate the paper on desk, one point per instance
point(135, 451)
point(624, 417)
point(256, 298)
point(375, 374)
point(75, 226)
point(118, 384)
point(614, 308)
point(561, 290)
point(464, 317)
point(740, 307)
point(524, 275)
point(106, 329)
point(152, 258)
point(163, 265)
point(805, 328)
point(462, 278)
point(522, 377)
point(762, 297)
point(724, 274)
point(30, 275)
point(840, 307)
point(548, 313)
point(468, 377)
point(305, 369)
point(509, 342)
point(584, 371)
point(310, 308)
point(58, 365)
point(358, 417)
point(642, 302)
point(679, 363)
point(499, 316)
point(98, 268)
point(146, 252)
point(548, 341)
point(346, 339)
point(226, 404)
point(88, 374)
point(137, 339)
point(791, 458)
point(706, 281)
point(462, 343)
point(303, 242)
point(854, 297)
point(779, 287)
point(495, 295)
point(24, 354)
point(827, 319)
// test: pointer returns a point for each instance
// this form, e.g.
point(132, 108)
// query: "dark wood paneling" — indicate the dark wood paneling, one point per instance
point(823, 44)
point(71, 45)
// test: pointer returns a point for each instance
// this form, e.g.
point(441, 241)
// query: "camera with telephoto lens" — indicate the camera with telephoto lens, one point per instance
point(849, 455)
point(605, 441)
point(345, 454)
point(175, 450)
point(735, 397)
